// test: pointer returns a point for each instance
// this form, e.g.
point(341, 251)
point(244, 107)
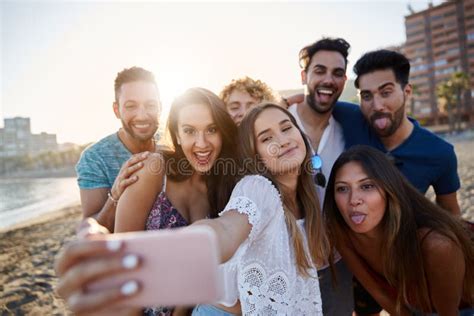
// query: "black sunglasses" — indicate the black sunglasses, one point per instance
point(318, 176)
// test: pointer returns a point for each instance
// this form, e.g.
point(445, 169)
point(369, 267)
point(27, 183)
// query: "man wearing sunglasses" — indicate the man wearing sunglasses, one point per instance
point(323, 74)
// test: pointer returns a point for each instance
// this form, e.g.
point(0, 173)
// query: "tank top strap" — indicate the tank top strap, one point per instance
point(163, 188)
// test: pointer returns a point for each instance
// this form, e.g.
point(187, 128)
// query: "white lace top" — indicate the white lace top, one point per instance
point(263, 273)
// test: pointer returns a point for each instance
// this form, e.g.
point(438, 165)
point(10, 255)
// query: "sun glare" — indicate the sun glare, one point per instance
point(170, 84)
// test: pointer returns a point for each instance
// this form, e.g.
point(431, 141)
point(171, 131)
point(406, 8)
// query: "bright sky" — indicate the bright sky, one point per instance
point(59, 59)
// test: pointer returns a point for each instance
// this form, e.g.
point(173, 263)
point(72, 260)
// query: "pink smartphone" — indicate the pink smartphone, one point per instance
point(178, 267)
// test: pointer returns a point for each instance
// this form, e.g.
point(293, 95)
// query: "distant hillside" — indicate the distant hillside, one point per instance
point(349, 94)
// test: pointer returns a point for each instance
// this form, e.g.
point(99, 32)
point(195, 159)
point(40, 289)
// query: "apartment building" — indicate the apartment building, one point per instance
point(16, 138)
point(439, 42)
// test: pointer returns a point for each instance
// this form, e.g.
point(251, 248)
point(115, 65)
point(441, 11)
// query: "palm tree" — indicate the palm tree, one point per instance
point(460, 82)
point(450, 94)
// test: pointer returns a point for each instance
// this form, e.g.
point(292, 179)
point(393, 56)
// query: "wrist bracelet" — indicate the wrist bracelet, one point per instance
point(115, 201)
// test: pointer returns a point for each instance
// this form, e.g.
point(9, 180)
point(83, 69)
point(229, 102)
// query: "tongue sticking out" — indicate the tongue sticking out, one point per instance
point(381, 123)
point(358, 218)
point(325, 98)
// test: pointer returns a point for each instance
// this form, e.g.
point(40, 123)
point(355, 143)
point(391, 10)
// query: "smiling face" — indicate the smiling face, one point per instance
point(361, 202)
point(138, 108)
point(278, 142)
point(198, 136)
point(238, 104)
point(325, 78)
point(382, 101)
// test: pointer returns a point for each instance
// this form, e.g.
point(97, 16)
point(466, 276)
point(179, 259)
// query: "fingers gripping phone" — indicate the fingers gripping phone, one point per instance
point(178, 267)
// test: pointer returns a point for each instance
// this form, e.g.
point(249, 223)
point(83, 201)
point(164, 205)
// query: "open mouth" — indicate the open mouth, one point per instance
point(381, 122)
point(325, 94)
point(357, 217)
point(141, 126)
point(202, 158)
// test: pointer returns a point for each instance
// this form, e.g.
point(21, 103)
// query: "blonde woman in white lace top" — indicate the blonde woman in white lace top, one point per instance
point(271, 236)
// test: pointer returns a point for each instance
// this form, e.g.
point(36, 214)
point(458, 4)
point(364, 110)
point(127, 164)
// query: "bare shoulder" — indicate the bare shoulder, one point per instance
point(154, 164)
point(436, 245)
point(152, 171)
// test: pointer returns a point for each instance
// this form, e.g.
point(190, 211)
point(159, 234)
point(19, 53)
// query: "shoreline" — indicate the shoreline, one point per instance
point(43, 218)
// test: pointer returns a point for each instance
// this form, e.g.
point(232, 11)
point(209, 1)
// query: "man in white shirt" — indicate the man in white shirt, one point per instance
point(323, 73)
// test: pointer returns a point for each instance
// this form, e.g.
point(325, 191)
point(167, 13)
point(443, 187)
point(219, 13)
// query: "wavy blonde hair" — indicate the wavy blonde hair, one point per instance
point(257, 89)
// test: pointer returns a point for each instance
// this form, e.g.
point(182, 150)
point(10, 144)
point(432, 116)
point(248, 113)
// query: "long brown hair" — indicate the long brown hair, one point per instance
point(407, 210)
point(221, 178)
point(306, 194)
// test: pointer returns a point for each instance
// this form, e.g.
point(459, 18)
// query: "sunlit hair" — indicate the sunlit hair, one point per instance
point(256, 88)
point(221, 178)
point(338, 45)
point(306, 194)
point(407, 210)
point(131, 75)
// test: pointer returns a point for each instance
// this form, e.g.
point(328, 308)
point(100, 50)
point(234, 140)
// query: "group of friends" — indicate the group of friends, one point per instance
point(318, 205)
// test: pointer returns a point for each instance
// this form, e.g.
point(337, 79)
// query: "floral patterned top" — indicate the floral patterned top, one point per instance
point(163, 215)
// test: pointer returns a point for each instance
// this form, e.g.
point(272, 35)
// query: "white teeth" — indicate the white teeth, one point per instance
point(323, 91)
point(203, 155)
point(142, 125)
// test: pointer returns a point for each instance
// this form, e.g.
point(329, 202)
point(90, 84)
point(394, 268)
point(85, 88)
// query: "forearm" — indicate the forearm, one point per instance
point(222, 241)
point(106, 216)
point(96, 204)
point(231, 229)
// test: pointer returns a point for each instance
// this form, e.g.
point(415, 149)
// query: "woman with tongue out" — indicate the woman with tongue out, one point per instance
point(412, 256)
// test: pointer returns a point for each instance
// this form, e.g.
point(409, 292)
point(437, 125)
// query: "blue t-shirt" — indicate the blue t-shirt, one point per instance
point(424, 158)
point(100, 163)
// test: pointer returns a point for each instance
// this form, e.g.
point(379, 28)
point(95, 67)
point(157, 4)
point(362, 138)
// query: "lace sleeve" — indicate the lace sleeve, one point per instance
point(256, 197)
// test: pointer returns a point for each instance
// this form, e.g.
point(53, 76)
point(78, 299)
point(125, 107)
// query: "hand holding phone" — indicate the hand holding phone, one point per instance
point(177, 267)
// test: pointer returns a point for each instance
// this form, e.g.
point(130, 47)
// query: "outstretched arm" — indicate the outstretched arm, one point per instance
point(231, 229)
point(136, 201)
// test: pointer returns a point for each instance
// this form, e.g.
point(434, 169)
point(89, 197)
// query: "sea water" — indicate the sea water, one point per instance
point(25, 199)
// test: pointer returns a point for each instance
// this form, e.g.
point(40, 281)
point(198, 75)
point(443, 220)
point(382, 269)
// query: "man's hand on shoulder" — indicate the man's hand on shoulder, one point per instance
point(101, 203)
point(126, 175)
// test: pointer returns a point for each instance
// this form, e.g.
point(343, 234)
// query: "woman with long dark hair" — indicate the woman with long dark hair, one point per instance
point(192, 180)
point(411, 255)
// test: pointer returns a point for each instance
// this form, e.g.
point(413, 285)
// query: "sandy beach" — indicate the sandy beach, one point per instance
point(27, 253)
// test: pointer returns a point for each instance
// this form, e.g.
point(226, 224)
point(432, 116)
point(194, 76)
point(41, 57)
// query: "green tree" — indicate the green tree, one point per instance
point(450, 94)
point(415, 92)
